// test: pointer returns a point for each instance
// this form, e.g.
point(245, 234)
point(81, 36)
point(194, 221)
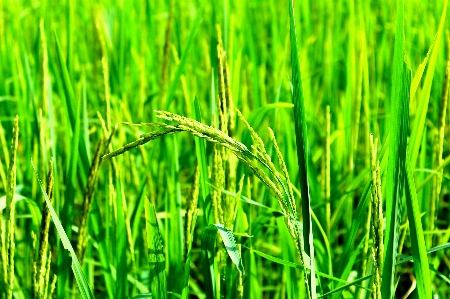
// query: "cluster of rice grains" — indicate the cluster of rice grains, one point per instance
point(376, 209)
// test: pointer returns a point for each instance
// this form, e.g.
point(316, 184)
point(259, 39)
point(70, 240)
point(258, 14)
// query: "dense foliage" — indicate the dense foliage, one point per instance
point(224, 149)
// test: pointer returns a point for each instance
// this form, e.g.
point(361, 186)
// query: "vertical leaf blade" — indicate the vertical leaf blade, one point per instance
point(401, 79)
point(419, 121)
point(302, 145)
point(418, 248)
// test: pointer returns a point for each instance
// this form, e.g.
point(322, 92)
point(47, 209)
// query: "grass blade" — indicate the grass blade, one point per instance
point(419, 121)
point(231, 247)
point(418, 248)
point(302, 146)
point(397, 156)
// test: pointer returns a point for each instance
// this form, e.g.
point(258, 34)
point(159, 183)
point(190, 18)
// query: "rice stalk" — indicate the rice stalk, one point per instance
point(34, 284)
point(166, 55)
point(87, 201)
point(10, 213)
point(328, 171)
point(191, 208)
point(377, 220)
point(41, 282)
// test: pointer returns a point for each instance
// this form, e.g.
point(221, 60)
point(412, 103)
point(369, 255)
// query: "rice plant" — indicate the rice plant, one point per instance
point(231, 149)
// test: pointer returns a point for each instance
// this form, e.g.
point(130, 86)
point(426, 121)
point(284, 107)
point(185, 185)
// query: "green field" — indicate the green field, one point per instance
point(224, 149)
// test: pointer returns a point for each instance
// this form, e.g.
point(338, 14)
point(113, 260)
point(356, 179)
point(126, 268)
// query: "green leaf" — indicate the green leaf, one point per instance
point(421, 114)
point(302, 147)
point(417, 238)
point(395, 177)
point(230, 245)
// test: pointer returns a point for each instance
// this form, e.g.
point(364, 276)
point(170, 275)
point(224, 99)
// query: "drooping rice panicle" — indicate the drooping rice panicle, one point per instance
point(254, 160)
point(202, 131)
point(142, 140)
